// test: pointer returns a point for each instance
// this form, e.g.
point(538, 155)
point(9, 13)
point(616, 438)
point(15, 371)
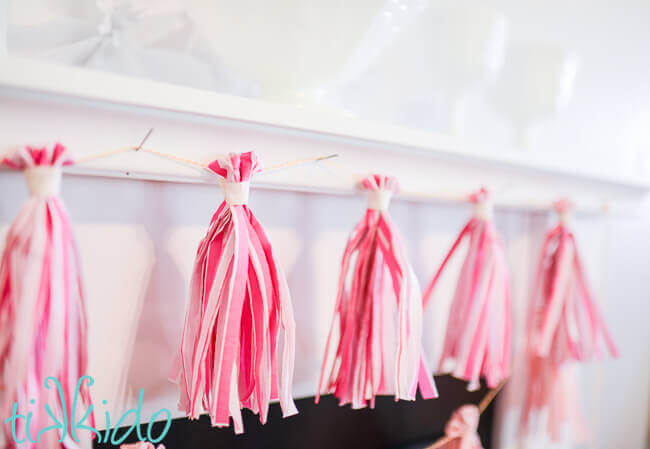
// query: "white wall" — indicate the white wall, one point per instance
point(606, 123)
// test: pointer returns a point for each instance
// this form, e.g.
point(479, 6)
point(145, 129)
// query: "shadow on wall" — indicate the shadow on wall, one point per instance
point(162, 307)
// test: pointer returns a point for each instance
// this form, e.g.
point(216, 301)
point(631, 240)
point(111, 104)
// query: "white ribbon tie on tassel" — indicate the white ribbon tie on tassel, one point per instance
point(565, 216)
point(43, 180)
point(236, 193)
point(484, 209)
point(379, 199)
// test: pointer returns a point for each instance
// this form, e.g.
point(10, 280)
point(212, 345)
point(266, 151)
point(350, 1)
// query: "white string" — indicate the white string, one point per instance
point(200, 166)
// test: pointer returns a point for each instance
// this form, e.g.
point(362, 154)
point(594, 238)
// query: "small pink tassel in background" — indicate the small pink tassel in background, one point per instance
point(478, 338)
point(239, 301)
point(378, 315)
point(564, 325)
point(461, 431)
point(42, 313)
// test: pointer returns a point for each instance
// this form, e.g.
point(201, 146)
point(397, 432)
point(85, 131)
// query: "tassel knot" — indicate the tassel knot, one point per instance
point(564, 210)
point(379, 199)
point(43, 180)
point(380, 190)
point(42, 311)
point(483, 205)
point(236, 193)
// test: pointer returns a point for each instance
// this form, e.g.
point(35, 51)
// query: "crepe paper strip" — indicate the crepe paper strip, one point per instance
point(239, 301)
point(551, 389)
point(564, 325)
point(42, 311)
point(461, 431)
point(378, 314)
point(478, 337)
point(142, 445)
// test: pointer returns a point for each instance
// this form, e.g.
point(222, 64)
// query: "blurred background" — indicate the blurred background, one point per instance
point(541, 76)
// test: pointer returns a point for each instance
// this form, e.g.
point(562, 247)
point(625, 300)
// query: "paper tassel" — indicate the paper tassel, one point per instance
point(239, 299)
point(42, 313)
point(477, 342)
point(461, 431)
point(378, 315)
point(564, 325)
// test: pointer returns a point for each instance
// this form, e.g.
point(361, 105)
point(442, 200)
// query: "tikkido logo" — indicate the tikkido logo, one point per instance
point(66, 427)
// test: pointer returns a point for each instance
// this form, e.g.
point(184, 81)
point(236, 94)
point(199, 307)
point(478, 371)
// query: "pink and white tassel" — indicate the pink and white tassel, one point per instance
point(478, 337)
point(564, 325)
point(42, 312)
point(239, 300)
point(378, 314)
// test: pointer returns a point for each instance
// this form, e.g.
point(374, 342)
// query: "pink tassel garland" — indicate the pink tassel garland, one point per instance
point(378, 315)
point(239, 300)
point(478, 337)
point(42, 312)
point(564, 325)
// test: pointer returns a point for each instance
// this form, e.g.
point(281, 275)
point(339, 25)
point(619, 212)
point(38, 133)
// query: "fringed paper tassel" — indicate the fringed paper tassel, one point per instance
point(239, 300)
point(378, 315)
point(42, 313)
point(564, 325)
point(478, 338)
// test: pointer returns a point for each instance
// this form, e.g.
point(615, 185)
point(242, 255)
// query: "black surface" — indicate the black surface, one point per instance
point(326, 425)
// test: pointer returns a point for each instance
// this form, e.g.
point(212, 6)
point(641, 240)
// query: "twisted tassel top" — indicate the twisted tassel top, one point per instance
point(41, 166)
point(380, 190)
point(236, 171)
point(483, 207)
point(239, 303)
point(237, 167)
point(374, 344)
point(570, 322)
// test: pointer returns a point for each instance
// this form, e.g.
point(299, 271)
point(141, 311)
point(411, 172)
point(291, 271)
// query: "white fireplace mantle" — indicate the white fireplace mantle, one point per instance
point(200, 125)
